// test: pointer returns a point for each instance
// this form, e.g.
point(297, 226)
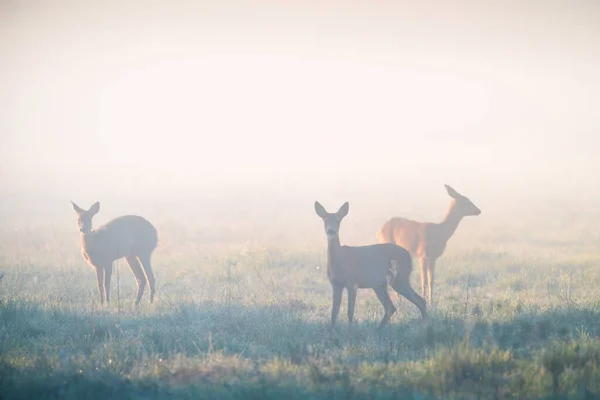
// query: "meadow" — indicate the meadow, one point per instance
point(517, 315)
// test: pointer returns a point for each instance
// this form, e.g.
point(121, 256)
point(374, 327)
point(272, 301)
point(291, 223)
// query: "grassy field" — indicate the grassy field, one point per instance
point(517, 316)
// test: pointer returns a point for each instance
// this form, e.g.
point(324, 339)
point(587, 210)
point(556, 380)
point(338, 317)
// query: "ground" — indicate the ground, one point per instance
point(515, 317)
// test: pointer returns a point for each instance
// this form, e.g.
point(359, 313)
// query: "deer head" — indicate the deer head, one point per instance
point(332, 221)
point(84, 217)
point(462, 204)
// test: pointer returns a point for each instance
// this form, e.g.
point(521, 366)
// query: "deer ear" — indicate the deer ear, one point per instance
point(95, 208)
point(452, 193)
point(343, 211)
point(320, 210)
point(77, 209)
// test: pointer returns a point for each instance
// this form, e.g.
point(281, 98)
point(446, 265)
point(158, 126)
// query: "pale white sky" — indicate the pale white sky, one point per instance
point(103, 96)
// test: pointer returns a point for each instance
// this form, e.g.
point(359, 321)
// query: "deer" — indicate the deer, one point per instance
point(129, 236)
point(365, 267)
point(427, 240)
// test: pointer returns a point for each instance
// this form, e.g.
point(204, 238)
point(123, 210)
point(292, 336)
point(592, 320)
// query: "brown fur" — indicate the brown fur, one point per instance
point(129, 236)
point(427, 240)
point(372, 267)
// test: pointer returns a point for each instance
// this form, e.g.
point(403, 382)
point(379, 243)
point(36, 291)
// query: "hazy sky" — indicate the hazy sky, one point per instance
point(106, 95)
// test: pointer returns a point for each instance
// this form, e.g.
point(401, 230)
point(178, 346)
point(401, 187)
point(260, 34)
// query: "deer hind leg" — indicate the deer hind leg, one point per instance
point(100, 279)
point(147, 266)
point(389, 308)
point(337, 301)
point(107, 275)
point(352, 291)
point(423, 266)
point(401, 284)
point(140, 278)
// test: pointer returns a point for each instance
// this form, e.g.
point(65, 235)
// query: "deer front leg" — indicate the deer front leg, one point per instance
point(430, 276)
point(100, 279)
point(337, 301)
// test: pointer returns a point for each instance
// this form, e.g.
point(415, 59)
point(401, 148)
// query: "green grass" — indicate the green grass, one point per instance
point(518, 321)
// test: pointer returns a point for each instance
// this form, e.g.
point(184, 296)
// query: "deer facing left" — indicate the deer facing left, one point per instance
point(129, 236)
point(365, 267)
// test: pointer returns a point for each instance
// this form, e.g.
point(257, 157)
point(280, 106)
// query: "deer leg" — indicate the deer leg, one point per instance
point(401, 284)
point(107, 275)
point(147, 266)
point(430, 276)
point(352, 291)
point(100, 279)
point(423, 266)
point(384, 297)
point(337, 301)
point(140, 278)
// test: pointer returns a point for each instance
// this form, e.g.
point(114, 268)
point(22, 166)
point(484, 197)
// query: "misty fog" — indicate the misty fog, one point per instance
point(225, 115)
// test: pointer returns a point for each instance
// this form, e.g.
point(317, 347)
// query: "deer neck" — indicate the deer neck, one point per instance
point(450, 223)
point(333, 247)
point(87, 240)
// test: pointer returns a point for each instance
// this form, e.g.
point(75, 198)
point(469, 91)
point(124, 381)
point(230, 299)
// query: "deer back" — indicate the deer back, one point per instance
point(120, 237)
point(368, 266)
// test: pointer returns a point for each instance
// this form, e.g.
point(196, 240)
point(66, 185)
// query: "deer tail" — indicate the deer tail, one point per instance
point(386, 233)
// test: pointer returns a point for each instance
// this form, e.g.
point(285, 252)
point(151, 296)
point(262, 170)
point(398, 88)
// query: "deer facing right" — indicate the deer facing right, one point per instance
point(374, 267)
point(427, 240)
point(129, 236)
